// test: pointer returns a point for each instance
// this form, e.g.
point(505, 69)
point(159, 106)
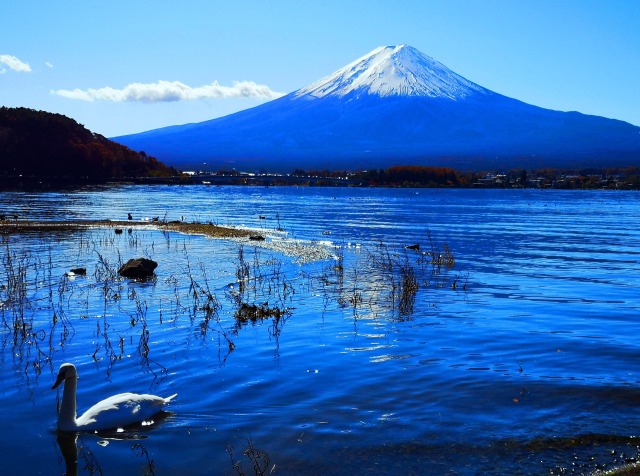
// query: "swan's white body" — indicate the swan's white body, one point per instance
point(114, 412)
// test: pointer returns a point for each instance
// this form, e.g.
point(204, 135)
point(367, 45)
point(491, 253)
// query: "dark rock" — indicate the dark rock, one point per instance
point(257, 238)
point(413, 247)
point(138, 268)
point(81, 271)
point(118, 231)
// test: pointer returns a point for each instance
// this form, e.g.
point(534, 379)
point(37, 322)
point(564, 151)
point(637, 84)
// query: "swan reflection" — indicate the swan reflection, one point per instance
point(75, 446)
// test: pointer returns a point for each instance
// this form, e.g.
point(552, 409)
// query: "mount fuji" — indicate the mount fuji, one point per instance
point(394, 106)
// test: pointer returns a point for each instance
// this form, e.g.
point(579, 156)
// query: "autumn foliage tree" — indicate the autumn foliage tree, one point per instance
point(421, 175)
point(42, 144)
point(414, 176)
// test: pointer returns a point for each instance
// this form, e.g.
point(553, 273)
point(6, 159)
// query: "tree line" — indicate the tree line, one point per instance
point(620, 178)
point(401, 176)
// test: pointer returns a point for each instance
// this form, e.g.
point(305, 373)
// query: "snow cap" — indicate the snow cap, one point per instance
point(394, 70)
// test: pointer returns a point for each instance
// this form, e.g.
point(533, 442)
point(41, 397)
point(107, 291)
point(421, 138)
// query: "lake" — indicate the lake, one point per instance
point(505, 342)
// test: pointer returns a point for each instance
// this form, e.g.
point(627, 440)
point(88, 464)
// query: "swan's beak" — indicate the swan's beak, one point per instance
point(59, 380)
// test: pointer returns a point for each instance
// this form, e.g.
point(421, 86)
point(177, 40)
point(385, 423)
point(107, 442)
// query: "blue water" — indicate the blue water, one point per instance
point(521, 358)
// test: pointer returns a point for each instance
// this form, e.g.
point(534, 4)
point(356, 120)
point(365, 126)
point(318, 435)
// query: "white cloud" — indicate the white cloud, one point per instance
point(167, 91)
point(49, 64)
point(14, 64)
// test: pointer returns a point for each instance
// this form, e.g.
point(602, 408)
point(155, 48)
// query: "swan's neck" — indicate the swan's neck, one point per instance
point(67, 415)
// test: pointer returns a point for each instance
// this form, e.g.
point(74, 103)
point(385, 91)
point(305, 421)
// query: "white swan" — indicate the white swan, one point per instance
point(111, 413)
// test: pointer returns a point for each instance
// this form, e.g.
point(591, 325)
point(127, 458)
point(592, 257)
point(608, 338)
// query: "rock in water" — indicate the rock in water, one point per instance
point(138, 268)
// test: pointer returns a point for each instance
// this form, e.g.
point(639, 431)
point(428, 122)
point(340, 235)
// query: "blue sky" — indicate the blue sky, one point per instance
point(122, 67)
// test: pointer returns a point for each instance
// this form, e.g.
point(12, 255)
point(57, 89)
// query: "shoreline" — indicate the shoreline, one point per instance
point(301, 252)
point(209, 230)
point(614, 178)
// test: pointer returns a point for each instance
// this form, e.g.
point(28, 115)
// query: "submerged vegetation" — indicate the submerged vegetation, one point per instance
point(47, 306)
point(64, 298)
point(43, 308)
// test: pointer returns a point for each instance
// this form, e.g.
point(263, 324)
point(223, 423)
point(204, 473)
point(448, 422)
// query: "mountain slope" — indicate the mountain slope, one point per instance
point(42, 144)
point(394, 106)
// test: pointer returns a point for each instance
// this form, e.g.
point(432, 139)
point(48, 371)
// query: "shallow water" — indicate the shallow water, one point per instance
point(521, 358)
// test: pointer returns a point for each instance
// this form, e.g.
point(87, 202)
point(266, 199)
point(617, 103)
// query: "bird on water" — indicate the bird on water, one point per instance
point(117, 411)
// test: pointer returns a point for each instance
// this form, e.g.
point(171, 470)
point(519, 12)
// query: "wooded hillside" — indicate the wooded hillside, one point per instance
point(46, 145)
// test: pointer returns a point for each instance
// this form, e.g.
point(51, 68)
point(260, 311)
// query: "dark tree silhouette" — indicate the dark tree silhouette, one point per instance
point(46, 145)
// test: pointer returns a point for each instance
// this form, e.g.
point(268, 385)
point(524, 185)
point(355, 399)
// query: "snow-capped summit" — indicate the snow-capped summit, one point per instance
point(394, 71)
point(394, 106)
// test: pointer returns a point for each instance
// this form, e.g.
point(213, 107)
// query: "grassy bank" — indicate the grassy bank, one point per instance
point(213, 231)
